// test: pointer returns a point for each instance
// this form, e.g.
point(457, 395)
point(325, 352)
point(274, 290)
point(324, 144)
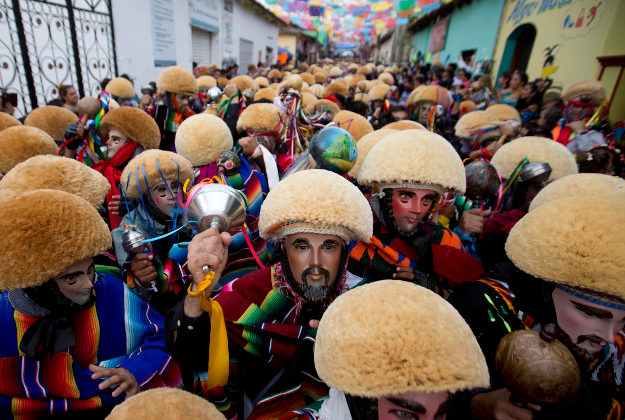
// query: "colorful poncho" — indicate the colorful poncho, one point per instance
point(266, 344)
point(120, 330)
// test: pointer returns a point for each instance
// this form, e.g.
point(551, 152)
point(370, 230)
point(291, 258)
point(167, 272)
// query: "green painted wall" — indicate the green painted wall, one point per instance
point(472, 26)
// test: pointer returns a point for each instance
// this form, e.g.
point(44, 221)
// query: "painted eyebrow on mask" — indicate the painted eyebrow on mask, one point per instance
point(599, 313)
point(408, 405)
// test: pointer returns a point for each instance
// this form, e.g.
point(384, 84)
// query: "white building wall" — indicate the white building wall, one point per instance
point(133, 37)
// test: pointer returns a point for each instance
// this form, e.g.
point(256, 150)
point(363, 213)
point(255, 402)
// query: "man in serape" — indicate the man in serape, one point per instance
point(409, 171)
point(152, 188)
point(179, 86)
point(205, 140)
point(72, 339)
point(271, 314)
point(126, 132)
point(568, 273)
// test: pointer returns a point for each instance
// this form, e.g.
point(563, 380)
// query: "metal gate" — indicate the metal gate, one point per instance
point(45, 43)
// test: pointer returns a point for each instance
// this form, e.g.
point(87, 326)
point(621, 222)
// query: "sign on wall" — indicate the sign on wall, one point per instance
point(205, 14)
point(163, 36)
point(227, 36)
point(439, 31)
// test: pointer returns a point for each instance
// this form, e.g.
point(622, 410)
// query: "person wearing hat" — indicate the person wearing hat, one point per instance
point(51, 119)
point(19, 143)
point(206, 142)
point(128, 132)
point(271, 314)
point(391, 370)
point(583, 109)
point(73, 338)
point(178, 85)
point(569, 274)
point(122, 90)
point(151, 187)
point(479, 134)
point(408, 172)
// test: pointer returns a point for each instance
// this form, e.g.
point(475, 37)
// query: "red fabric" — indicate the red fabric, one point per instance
point(503, 222)
point(179, 117)
point(331, 98)
point(562, 134)
point(112, 171)
point(464, 268)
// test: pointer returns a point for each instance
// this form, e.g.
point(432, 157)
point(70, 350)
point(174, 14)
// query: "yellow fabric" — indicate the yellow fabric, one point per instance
point(218, 356)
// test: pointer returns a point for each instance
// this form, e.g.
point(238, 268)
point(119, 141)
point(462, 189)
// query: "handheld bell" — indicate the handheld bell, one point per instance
point(132, 241)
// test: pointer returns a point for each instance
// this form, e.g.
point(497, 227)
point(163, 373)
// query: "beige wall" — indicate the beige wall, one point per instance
point(289, 42)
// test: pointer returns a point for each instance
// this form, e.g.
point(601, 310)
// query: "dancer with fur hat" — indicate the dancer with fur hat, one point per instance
point(409, 171)
point(179, 86)
point(19, 143)
point(152, 188)
point(206, 141)
point(388, 370)
point(271, 314)
point(77, 338)
point(584, 105)
point(569, 274)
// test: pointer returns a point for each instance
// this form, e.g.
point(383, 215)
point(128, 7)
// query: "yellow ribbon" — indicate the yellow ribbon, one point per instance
point(218, 356)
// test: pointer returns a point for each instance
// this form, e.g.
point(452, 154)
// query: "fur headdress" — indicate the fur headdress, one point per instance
point(243, 82)
point(260, 82)
point(274, 74)
point(166, 403)
point(536, 149)
point(566, 242)
point(475, 121)
point(391, 337)
point(405, 125)
point(387, 78)
point(322, 104)
point(7, 121)
point(49, 231)
point(22, 142)
point(588, 185)
point(136, 123)
point(356, 124)
point(202, 138)
point(265, 93)
point(379, 92)
point(51, 119)
point(336, 71)
point(414, 159)
point(206, 82)
point(317, 201)
point(336, 87)
point(261, 118)
point(120, 87)
point(150, 167)
point(364, 70)
point(57, 173)
point(308, 78)
point(504, 112)
point(435, 94)
point(591, 88)
point(177, 79)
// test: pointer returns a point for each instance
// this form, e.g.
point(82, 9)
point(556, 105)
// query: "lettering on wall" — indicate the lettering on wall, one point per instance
point(525, 8)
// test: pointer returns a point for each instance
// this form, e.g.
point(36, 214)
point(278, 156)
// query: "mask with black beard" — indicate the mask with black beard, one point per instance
point(317, 297)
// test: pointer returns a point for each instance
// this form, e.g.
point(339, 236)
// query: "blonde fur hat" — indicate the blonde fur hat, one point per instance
point(336, 87)
point(413, 95)
point(321, 76)
point(317, 201)
point(243, 82)
point(364, 70)
point(177, 79)
point(22, 142)
point(361, 97)
point(49, 231)
point(387, 78)
point(144, 171)
point(260, 118)
point(566, 242)
point(355, 78)
point(322, 104)
point(318, 90)
point(405, 125)
point(57, 173)
point(435, 94)
point(591, 88)
point(379, 92)
point(206, 82)
point(365, 144)
point(136, 123)
point(7, 121)
point(274, 74)
point(308, 78)
point(475, 121)
point(414, 159)
point(408, 343)
point(265, 93)
point(537, 149)
point(588, 185)
point(307, 99)
point(120, 87)
point(166, 403)
point(335, 71)
point(294, 81)
point(51, 119)
point(356, 124)
point(260, 82)
point(202, 138)
point(504, 112)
